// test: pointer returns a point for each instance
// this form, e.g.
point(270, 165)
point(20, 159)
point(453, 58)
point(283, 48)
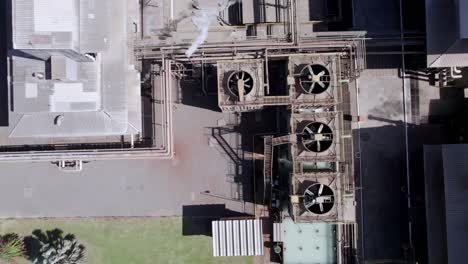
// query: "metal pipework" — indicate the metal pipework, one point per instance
point(455, 73)
point(227, 53)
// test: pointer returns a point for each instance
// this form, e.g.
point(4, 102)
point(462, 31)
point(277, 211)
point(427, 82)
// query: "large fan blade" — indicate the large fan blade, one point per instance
point(310, 70)
point(322, 73)
point(307, 142)
point(320, 190)
point(319, 147)
point(322, 84)
point(320, 128)
point(308, 205)
point(243, 75)
point(248, 79)
point(321, 207)
point(309, 192)
point(241, 89)
point(312, 87)
point(240, 84)
point(246, 86)
point(309, 130)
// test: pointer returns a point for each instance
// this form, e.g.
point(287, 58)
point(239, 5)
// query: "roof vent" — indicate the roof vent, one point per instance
point(38, 75)
point(58, 120)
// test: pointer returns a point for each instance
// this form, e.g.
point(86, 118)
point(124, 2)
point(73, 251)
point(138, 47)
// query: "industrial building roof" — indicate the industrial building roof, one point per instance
point(46, 24)
point(79, 25)
point(72, 87)
point(59, 91)
point(446, 200)
point(447, 33)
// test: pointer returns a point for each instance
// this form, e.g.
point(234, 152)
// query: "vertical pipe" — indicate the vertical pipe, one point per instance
point(361, 188)
point(172, 10)
point(405, 121)
point(267, 73)
point(339, 244)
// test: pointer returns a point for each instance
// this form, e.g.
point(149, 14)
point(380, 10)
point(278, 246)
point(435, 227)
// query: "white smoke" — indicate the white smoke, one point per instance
point(202, 20)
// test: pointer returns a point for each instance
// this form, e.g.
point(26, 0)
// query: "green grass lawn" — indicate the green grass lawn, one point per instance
point(129, 241)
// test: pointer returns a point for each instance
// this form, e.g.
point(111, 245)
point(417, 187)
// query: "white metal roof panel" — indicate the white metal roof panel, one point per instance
point(236, 245)
point(67, 95)
point(277, 232)
point(250, 238)
point(31, 90)
point(237, 237)
point(55, 16)
point(215, 234)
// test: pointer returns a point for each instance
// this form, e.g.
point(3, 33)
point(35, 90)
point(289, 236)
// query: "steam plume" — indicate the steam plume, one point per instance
point(202, 20)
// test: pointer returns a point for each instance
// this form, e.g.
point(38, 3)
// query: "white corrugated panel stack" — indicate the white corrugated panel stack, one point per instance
point(237, 237)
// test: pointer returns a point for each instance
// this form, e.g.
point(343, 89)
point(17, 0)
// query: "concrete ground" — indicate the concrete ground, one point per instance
point(381, 168)
point(380, 140)
point(384, 159)
point(127, 188)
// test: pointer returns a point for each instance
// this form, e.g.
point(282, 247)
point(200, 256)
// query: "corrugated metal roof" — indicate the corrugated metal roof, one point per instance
point(83, 26)
point(70, 97)
point(104, 100)
point(277, 232)
point(456, 201)
point(70, 85)
point(435, 215)
point(445, 26)
point(446, 185)
point(44, 24)
point(237, 237)
point(55, 16)
point(463, 18)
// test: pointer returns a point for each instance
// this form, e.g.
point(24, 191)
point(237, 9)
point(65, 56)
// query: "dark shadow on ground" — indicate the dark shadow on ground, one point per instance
point(381, 175)
point(199, 88)
point(246, 153)
point(5, 41)
point(196, 219)
point(381, 21)
point(382, 181)
point(39, 242)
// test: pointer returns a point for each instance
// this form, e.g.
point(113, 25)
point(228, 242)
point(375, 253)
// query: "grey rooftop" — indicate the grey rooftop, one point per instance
point(71, 74)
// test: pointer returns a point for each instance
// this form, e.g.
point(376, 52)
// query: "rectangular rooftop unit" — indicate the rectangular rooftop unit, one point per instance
point(309, 242)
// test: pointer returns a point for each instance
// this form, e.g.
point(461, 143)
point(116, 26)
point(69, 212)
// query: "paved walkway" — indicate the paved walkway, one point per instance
point(125, 188)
